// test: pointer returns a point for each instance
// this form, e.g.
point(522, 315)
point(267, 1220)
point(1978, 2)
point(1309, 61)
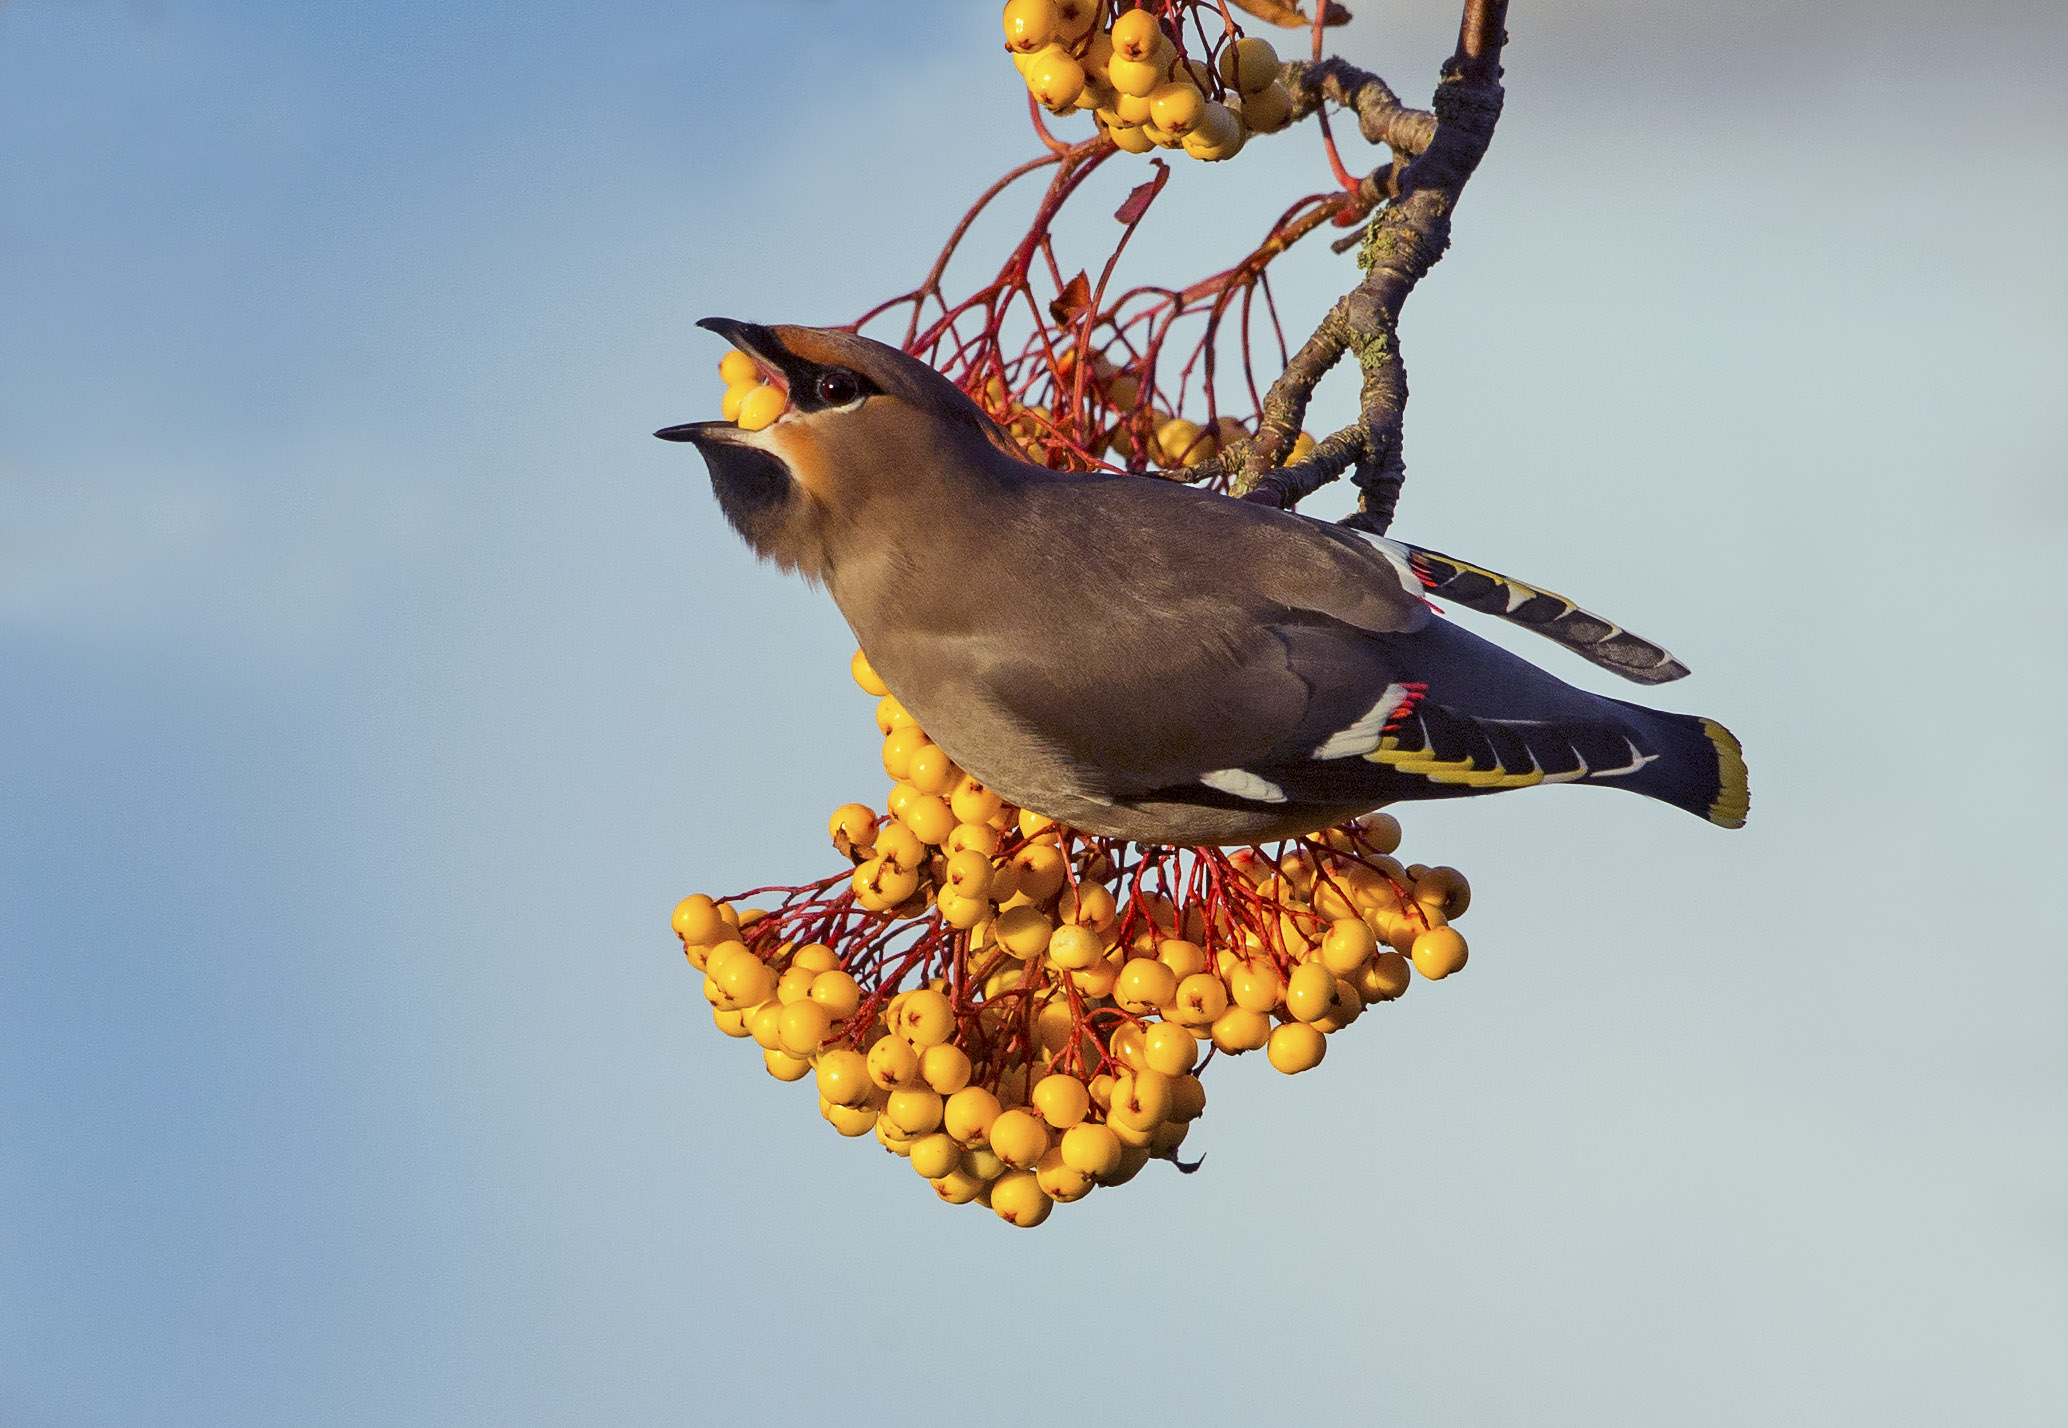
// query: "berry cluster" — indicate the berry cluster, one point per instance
point(1022, 1010)
point(1137, 80)
point(1118, 421)
point(749, 400)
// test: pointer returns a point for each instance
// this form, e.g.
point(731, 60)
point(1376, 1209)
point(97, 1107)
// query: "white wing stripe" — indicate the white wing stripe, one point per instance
point(1244, 784)
point(1363, 736)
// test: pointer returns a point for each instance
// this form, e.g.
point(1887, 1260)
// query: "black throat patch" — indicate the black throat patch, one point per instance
point(753, 489)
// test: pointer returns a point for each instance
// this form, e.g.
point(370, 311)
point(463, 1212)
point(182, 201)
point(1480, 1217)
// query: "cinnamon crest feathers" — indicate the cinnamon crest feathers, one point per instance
point(1145, 660)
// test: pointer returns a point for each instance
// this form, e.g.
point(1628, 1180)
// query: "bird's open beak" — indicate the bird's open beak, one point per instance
point(701, 432)
point(777, 368)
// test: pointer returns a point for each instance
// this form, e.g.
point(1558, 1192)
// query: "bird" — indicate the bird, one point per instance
point(1147, 660)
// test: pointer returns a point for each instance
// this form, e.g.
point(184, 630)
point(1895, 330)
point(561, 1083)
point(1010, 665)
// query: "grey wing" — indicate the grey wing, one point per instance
point(1200, 701)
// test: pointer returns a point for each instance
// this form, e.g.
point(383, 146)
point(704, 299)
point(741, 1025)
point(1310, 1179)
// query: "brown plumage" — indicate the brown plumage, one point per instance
point(1136, 657)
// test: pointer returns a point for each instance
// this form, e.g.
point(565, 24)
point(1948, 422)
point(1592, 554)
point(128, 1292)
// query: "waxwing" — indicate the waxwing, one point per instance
point(1142, 659)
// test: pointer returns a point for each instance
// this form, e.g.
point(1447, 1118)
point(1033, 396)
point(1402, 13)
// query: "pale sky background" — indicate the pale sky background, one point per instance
point(372, 685)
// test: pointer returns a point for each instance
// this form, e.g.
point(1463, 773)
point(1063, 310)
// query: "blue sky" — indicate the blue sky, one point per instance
point(372, 684)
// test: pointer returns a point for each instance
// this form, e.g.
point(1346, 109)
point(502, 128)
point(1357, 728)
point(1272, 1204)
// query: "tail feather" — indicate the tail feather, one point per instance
point(1681, 759)
point(1595, 639)
point(1701, 766)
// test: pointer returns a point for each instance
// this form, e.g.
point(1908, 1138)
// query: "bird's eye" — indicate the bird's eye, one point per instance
point(837, 389)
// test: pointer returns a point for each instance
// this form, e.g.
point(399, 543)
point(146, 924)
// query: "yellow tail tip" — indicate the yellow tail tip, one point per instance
point(1734, 785)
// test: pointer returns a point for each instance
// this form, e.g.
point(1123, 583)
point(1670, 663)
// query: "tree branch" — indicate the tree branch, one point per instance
point(1381, 117)
point(1405, 238)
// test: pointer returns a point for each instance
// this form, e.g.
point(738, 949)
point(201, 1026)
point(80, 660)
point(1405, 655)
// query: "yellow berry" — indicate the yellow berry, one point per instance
point(1446, 890)
point(961, 913)
point(1018, 1138)
point(1383, 978)
point(915, 1110)
point(747, 981)
point(1178, 443)
point(1097, 980)
point(898, 845)
point(696, 920)
point(843, 1077)
point(1168, 1137)
point(731, 1021)
point(1131, 109)
point(1125, 1042)
point(803, 1027)
point(969, 874)
point(1181, 956)
point(1043, 871)
point(850, 1121)
point(1343, 1008)
point(969, 1114)
point(1075, 18)
point(1055, 78)
point(1217, 136)
point(973, 803)
point(1061, 1099)
point(1170, 1048)
point(1438, 952)
point(1256, 985)
point(1059, 1180)
point(865, 675)
point(977, 837)
point(957, 1187)
point(1266, 111)
point(1239, 1029)
point(794, 985)
point(736, 366)
point(1023, 931)
point(893, 1064)
point(1145, 984)
point(785, 1067)
point(892, 716)
point(1200, 1000)
point(926, 1018)
point(1348, 945)
point(977, 1160)
point(1088, 904)
point(838, 993)
point(899, 746)
point(1309, 991)
point(932, 771)
point(1136, 35)
point(1136, 79)
point(1380, 830)
point(936, 1155)
point(1187, 1098)
point(1132, 1159)
point(814, 957)
point(945, 1068)
point(1140, 1099)
point(761, 407)
point(1017, 1199)
point(1249, 64)
point(1030, 24)
point(1130, 139)
point(1073, 948)
point(1296, 1047)
point(765, 1025)
point(1091, 1149)
point(1177, 107)
point(929, 818)
point(880, 885)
